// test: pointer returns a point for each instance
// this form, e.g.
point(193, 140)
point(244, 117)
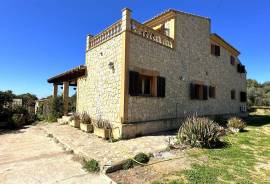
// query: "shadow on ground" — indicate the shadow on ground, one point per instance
point(13, 131)
point(258, 120)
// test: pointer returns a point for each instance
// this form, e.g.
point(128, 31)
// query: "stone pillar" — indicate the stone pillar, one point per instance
point(55, 90)
point(65, 97)
point(126, 19)
point(88, 38)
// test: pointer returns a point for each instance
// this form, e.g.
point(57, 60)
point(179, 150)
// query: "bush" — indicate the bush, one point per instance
point(85, 118)
point(128, 164)
point(237, 123)
point(91, 166)
point(199, 132)
point(18, 120)
point(55, 109)
point(142, 158)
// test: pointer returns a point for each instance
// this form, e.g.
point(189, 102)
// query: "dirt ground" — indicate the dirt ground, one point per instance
point(156, 169)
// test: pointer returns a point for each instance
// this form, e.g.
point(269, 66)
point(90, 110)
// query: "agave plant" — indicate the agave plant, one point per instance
point(236, 123)
point(103, 124)
point(199, 132)
point(85, 118)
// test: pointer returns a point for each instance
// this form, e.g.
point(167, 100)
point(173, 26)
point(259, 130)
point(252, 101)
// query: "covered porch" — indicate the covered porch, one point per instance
point(66, 79)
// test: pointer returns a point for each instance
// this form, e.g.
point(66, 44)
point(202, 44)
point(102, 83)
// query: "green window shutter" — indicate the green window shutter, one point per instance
point(243, 96)
point(161, 86)
point(133, 83)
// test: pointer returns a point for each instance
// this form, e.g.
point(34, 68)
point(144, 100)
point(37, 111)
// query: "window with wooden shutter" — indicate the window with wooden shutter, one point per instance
point(215, 50)
point(192, 91)
point(233, 94)
point(212, 92)
point(243, 96)
point(161, 86)
point(232, 60)
point(133, 83)
point(205, 92)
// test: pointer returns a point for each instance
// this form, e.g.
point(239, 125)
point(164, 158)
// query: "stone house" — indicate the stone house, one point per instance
point(142, 77)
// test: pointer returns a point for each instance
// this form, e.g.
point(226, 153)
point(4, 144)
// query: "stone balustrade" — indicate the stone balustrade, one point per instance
point(151, 34)
point(105, 35)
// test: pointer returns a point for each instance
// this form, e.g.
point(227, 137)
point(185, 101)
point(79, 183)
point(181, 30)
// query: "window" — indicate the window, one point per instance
point(198, 91)
point(241, 68)
point(215, 50)
point(212, 92)
point(232, 60)
point(142, 85)
point(233, 94)
point(161, 87)
point(243, 96)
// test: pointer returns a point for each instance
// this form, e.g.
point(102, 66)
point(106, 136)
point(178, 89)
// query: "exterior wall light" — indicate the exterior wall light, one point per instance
point(111, 65)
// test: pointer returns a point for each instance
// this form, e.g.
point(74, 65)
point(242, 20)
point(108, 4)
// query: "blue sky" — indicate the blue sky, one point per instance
point(40, 38)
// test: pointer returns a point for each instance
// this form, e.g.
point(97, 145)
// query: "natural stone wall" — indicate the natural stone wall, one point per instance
point(190, 61)
point(98, 93)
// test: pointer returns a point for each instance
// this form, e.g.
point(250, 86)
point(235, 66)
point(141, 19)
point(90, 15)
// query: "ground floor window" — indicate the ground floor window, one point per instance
point(144, 85)
point(233, 94)
point(243, 96)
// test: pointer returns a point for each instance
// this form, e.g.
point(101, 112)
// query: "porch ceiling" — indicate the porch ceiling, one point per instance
point(69, 76)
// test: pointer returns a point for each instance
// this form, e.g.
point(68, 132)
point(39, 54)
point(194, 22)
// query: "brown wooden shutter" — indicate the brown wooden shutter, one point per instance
point(217, 50)
point(205, 92)
point(192, 91)
point(239, 68)
point(133, 83)
point(232, 60)
point(197, 91)
point(243, 96)
point(161, 86)
point(212, 49)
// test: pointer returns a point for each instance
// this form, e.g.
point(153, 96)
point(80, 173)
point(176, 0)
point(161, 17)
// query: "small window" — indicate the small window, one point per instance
point(241, 68)
point(243, 96)
point(144, 85)
point(232, 60)
point(215, 50)
point(233, 94)
point(212, 92)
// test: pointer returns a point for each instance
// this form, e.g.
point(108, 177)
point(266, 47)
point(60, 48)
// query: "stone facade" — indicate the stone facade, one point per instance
point(98, 93)
point(103, 96)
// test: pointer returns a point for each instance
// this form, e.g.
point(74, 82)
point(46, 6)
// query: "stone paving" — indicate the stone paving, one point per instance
point(107, 153)
point(27, 156)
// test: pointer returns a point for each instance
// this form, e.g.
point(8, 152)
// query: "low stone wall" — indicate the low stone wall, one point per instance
point(260, 109)
point(137, 129)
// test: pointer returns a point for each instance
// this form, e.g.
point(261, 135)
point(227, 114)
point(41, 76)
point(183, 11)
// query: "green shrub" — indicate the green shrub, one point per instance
point(142, 158)
point(91, 165)
point(18, 120)
point(237, 123)
point(55, 108)
point(199, 132)
point(128, 164)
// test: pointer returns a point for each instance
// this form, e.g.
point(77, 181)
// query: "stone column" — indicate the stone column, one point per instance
point(88, 38)
point(55, 90)
point(126, 19)
point(65, 97)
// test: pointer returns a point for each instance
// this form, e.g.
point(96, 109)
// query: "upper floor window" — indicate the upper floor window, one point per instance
point(241, 68)
point(232, 60)
point(215, 50)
